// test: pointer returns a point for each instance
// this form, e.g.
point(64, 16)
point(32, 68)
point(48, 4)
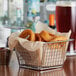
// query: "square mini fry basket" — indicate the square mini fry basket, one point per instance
point(51, 55)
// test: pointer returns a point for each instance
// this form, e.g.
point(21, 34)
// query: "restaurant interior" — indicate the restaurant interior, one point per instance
point(37, 38)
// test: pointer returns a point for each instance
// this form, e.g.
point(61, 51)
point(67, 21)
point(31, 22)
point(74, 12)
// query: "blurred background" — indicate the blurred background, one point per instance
point(14, 13)
point(10, 9)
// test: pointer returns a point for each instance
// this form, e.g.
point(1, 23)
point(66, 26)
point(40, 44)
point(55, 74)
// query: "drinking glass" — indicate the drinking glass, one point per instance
point(66, 20)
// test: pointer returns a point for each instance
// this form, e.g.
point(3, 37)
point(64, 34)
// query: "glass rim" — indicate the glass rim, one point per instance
point(66, 3)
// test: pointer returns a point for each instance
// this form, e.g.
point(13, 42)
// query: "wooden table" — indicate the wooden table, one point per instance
point(69, 69)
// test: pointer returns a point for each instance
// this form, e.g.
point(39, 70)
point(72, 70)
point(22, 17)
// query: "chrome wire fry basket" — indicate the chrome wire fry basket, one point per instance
point(51, 55)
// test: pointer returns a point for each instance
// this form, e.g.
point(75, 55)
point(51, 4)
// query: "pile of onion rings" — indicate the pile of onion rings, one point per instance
point(43, 36)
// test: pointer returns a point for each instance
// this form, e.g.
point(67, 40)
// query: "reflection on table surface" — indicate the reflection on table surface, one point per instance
point(55, 72)
point(7, 71)
point(68, 69)
point(70, 66)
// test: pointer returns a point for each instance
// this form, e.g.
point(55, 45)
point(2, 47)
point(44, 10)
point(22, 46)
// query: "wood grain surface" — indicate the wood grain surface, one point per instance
point(68, 69)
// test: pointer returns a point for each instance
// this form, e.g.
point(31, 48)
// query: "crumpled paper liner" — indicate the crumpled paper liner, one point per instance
point(12, 40)
point(33, 53)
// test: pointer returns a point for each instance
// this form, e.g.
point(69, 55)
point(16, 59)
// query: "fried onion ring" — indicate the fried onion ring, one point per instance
point(27, 33)
point(59, 38)
point(37, 37)
point(46, 36)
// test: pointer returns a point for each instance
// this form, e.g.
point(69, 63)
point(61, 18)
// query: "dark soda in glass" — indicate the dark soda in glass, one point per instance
point(66, 20)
